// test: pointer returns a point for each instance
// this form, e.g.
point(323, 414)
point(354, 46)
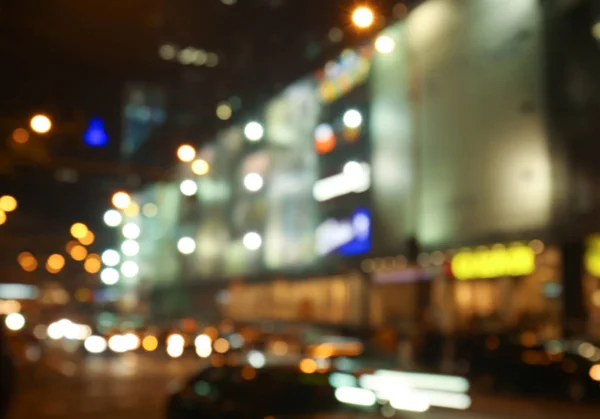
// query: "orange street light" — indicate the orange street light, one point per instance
point(41, 124)
point(363, 17)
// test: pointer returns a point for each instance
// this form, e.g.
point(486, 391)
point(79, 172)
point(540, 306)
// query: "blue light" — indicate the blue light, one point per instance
point(361, 243)
point(96, 135)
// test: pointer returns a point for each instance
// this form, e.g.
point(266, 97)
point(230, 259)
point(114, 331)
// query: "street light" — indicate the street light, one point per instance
point(40, 124)
point(363, 17)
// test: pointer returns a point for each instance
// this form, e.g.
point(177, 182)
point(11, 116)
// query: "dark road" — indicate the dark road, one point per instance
point(135, 386)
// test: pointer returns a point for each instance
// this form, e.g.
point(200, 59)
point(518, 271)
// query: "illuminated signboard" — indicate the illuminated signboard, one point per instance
point(348, 237)
point(341, 76)
point(495, 262)
point(355, 178)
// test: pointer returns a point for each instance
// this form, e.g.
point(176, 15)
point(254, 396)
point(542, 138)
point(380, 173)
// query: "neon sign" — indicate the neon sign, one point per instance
point(499, 261)
point(348, 237)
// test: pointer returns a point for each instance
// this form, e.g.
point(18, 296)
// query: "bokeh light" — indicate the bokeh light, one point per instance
point(41, 124)
point(188, 187)
point(254, 131)
point(20, 136)
point(79, 230)
point(221, 345)
point(253, 182)
point(27, 261)
point(200, 167)
point(95, 344)
point(88, 239)
point(363, 17)
point(186, 245)
point(111, 257)
point(109, 276)
point(186, 153)
point(132, 210)
point(131, 231)
point(130, 269)
point(56, 262)
point(121, 200)
point(150, 343)
point(8, 203)
point(352, 118)
point(15, 321)
point(385, 44)
point(252, 241)
point(130, 248)
point(2, 217)
point(92, 264)
point(150, 210)
point(224, 111)
point(78, 253)
point(308, 366)
point(113, 218)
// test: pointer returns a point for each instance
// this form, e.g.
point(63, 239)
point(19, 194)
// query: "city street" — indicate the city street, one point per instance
point(135, 386)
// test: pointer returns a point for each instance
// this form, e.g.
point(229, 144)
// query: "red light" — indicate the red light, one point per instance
point(324, 139)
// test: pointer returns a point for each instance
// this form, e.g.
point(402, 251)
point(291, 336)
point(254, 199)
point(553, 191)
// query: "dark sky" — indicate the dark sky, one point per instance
point(64, 57)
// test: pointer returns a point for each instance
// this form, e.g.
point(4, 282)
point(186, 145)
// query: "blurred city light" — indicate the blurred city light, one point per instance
point(132, 210)
point(150, 343)
point(118, 344)
point(150, 210)
point(113, 218)
point(256, 359)
point(224, 111)
point(121, 200)
point(56, 262)
point(175, 351)
point(2, 217)
point(186, 245)
point(252, 241)
point(95, 344)
point(253, 182)
point(111, 257)
point(92, 264)
point(8, 203)
point(336, 35)
point(41, 124)
point(130, 248)
point(15, 321)
point(212, 59)
point(363, 17)
point(186, 153)
point(131, 231)
point(130, 269)
point(78, 253)
point(596, 30)
point(9, 307)
point(175, 340)
point(132, 341)
point(109, 276)
point(27, 261)
point(79, 230)
point(20, 136)
point(324, 138)
point(188, 187)
point(167, 52)
point(96, 135)
point(352, 118)
point(200, 167)
point(254, 131)
point(221, 346)
point(385, 44)
point(88, 239)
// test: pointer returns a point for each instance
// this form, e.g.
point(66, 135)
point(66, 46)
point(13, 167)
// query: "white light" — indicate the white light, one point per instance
point(109, 276)
point(175, 351)
point(111, 257)
point(352, 118)
point(112, 218)
point(256, 359)
point(131, 231)
point(14, 321)
point(355, 396)
point(175, 340)
point(132, 341)
point(203, 346)
point(167, 52)
point(186, 153)
point(188, 187)
point(252, 241)
point(55, 331)
point(95, 344)
point(254, 131)
point(118, 344)
point(410, 403)
point(355, 178)
point(385, 44)
point(130, 248)
point(253, 182)
point(130, 269)
point(186, 245)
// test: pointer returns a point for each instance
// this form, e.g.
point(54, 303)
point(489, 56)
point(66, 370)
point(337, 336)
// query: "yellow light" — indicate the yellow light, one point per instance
point(27, 262)
point(8, 203)
point(79, 230)
point(516, 260)
point(200, 167)
point(41, 124)
point(2, 217)
point(363, 17)
point(121, 200)
point(20, 136)
point(150, 343)
point(132, 210)
point(308, 366)
point(71, 245)
point(595, 373)
point(9, 307)
point(88, 239)
point(221, 345)
point(596, 31)
point(224, 111)
point(385, 44)
point(78, 253)
point(92, 265)
point(186, 153)
point(56, 262)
